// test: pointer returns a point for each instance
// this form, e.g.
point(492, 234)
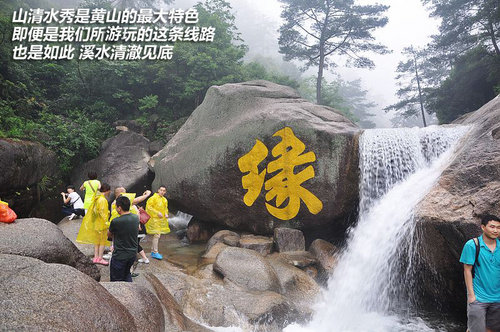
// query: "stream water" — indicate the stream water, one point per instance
point(369, 291)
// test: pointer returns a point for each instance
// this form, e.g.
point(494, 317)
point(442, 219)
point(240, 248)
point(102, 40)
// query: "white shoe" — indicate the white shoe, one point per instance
point(107, 256)
point(145, 261)
point(72, 216)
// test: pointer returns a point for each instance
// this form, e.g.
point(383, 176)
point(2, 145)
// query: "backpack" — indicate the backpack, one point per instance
point(476, 262)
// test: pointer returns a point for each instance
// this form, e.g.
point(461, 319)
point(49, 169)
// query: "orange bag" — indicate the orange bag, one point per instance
point(6, 214)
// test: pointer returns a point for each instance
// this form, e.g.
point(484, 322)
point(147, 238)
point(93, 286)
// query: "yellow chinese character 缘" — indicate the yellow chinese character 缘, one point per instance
point(284, 185)
point(254, 180)
point(287, 184)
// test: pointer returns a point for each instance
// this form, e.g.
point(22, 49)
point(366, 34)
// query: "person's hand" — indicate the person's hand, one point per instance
point(160, 215)
point(471, 298)
point(147, 192)
point(64, 194)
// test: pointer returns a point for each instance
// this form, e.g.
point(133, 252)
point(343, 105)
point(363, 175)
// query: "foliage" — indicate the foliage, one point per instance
point(348, 97)
point(411, 92)
point(466, 24)
point(472, 83)
point(315, 30)
point(461, 67)
point(74, 137)
point(257, 71)
point(71, 106)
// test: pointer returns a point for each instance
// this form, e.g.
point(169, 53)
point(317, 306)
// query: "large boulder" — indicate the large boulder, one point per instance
point(449, 215)
point(288, 239)
point(141, 303)
point(25, 167)
point(217, 302)
point(246, 268)
point(36, 296)
point(41, 239)
point(123, 161)
point(206, 176)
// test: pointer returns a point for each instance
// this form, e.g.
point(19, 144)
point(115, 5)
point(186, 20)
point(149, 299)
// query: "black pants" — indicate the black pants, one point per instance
point(120, 270)
point(69, 210)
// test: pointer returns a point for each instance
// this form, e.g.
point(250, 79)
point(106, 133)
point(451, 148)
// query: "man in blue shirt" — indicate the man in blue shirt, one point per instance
point(483, 291)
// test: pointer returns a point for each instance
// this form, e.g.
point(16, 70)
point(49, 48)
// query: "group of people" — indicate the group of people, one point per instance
point(120, 225)
point(480, 256)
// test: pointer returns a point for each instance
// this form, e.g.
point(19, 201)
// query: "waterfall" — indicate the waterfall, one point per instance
point(366, 292)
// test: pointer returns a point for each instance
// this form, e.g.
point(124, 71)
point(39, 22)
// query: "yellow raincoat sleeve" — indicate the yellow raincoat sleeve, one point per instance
point(156, 225)
point(101, 212)
point(133, 208)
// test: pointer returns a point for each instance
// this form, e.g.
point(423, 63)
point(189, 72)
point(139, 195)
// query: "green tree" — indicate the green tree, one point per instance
point(314, 30)
point(462, 64)
point(473, 81)
point(348, 97)
point(466, 24)
point(411, 92)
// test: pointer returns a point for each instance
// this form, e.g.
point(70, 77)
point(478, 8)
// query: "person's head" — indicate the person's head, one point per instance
point(70, 188)
point(92, 175)
point(162, 190)
point(122, 204)
point(119, 191)
point(105, 188)
point(490, 225)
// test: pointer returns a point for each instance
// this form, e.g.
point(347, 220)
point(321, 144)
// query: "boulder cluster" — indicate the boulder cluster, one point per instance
point(244, 280)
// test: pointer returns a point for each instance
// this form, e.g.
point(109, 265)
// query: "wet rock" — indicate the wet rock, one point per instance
point(175, 320)
point(296, 285)
point(143, 305)
point(247, 269)
point(132, 125)
point(227, 125)
point(23, 165)
point(300, 259)
point(219, 237)
point(262, 244)
point(313, 272)
point(36, 296)
point(123, 161)
point(207, 273)
point(198, 231)
point(288, 239)
point(325, 253)
point(232, 240)
point(214, 250)
point(121, 128)
point(449, 214)
point(156, 146)
point(41, 239)
point(208, 299)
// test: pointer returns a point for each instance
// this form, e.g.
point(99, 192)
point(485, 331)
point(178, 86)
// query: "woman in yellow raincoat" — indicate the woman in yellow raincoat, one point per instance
point(157, 208)
point(95, 224)
point(90, 187)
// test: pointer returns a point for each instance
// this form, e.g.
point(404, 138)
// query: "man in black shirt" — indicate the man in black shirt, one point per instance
point(124, 231)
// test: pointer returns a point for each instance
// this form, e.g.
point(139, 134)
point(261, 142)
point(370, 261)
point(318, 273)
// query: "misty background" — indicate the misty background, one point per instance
point(419, 65)
point(409, 24)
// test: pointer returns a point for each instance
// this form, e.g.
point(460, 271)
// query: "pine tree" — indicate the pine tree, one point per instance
point(314, 30)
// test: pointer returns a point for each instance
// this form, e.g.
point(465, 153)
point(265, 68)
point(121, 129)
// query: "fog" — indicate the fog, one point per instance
point(409, 24)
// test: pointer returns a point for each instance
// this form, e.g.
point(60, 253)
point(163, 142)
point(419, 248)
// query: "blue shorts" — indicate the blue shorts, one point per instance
point(120, 270)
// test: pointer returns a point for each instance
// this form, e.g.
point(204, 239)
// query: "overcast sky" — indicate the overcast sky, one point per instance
point(409, 24)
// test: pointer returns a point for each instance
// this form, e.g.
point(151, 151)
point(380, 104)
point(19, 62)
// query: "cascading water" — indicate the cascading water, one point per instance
point(366, 292)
